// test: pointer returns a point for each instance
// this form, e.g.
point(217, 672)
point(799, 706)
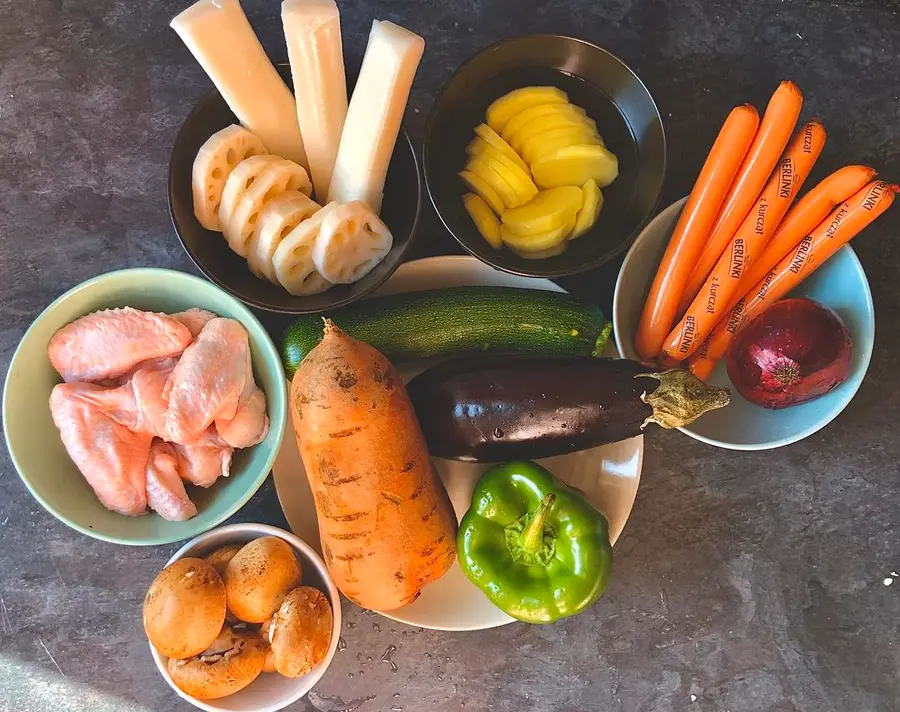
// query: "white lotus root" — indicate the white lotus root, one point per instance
point(240, 179)
point(293, 261)
point(352, 241)
point(276, 178)
point(215, 161)
point(276, 221)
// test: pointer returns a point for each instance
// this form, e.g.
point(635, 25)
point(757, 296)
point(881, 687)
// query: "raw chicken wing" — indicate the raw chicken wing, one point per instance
point(205, 461)
point(110, 343)
point(138, 405)
point(249, 425)
point(194, 319)
point(209, 381)
point(165, 490)
point(153, 364)
point(154, 401)
point(149, 387)
point(112, 459)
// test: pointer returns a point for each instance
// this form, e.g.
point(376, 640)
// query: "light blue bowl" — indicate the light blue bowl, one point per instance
point(33, 440)
point(840, 284)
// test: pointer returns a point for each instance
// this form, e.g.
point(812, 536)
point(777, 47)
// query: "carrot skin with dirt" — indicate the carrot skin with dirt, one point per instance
point(774, 133)
point(716, 176)
point(748, 242)
point(386, 524)
point(844, 223)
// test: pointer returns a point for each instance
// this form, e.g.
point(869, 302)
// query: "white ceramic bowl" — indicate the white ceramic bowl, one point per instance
point(270, 691)
point(840, 284)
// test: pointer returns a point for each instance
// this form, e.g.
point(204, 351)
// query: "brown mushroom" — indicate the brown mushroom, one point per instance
point(265, 631)
point(222, 556)
point(300, 632)
point(259, 577)
point(184, 608)
point(231, 663)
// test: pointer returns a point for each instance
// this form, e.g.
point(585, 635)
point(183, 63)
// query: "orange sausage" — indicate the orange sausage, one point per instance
point(801, 219)
point(809, 211)
point(701, 364)
point(844, 223)
point(693, 226)
point(748, 242)
point(774, 132)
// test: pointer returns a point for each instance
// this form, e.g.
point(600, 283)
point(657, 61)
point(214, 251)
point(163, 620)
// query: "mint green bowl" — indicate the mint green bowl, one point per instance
point(33, 440)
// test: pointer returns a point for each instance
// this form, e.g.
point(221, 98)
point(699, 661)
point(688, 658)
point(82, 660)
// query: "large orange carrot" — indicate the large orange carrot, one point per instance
point(748, 242)
point(693, 226)
point(803, 217)
point(773, 135)
point(385, 521)
point(844, 223)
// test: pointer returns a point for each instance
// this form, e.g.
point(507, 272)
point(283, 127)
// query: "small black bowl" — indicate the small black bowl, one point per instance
point(210, 252)
point(611, 94)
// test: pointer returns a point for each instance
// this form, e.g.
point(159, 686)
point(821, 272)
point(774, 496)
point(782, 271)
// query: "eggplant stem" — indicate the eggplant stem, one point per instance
point(681, 398)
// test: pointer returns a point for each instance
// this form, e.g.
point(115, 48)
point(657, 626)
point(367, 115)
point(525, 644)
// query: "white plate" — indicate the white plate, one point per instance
point(608, 475)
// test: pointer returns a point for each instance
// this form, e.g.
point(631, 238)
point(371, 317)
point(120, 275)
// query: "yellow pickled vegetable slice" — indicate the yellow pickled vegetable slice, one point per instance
point(543, 254)
point(548, 210)
point(535, 112)
point(487, 134)
point(491, 197)
point(521, 179)
point(508, 105)
point(546, 143)
point(576, 165)
point(478, 146)
point(520, 182)
point(485, 170)
point(538, 242)
point(590, 209)
point(548, 123)
point(485, 220)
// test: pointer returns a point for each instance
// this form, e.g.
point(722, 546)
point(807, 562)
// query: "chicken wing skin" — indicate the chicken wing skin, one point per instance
point(206, 460)
point(112, 458)
point(249, 425)
point(194, 319)
point(165, 490)
point(110, 343)
point(209, 381)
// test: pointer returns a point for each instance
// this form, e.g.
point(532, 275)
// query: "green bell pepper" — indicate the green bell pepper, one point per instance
point(534, 545)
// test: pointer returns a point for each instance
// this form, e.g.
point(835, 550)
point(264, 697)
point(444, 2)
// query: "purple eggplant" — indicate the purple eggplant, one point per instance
point(501, 408)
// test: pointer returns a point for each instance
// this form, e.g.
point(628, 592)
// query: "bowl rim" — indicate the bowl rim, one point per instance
point(839, 406)
point(245, 316)
point(201, 104)
point(310, 555)
point(545, 273)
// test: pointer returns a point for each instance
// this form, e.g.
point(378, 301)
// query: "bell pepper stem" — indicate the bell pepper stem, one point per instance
point(533, 536)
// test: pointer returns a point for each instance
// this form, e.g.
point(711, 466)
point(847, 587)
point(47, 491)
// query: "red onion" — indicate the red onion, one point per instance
point(793, 352)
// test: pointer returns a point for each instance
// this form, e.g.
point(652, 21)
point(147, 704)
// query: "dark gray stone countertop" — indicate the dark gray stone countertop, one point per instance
point(744, 581)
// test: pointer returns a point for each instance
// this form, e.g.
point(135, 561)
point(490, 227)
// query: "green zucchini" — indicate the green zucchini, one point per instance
point(460, 320)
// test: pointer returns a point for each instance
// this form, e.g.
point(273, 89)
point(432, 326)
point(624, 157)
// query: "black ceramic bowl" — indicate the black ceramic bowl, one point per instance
point(210, 252)
point(611, 94)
